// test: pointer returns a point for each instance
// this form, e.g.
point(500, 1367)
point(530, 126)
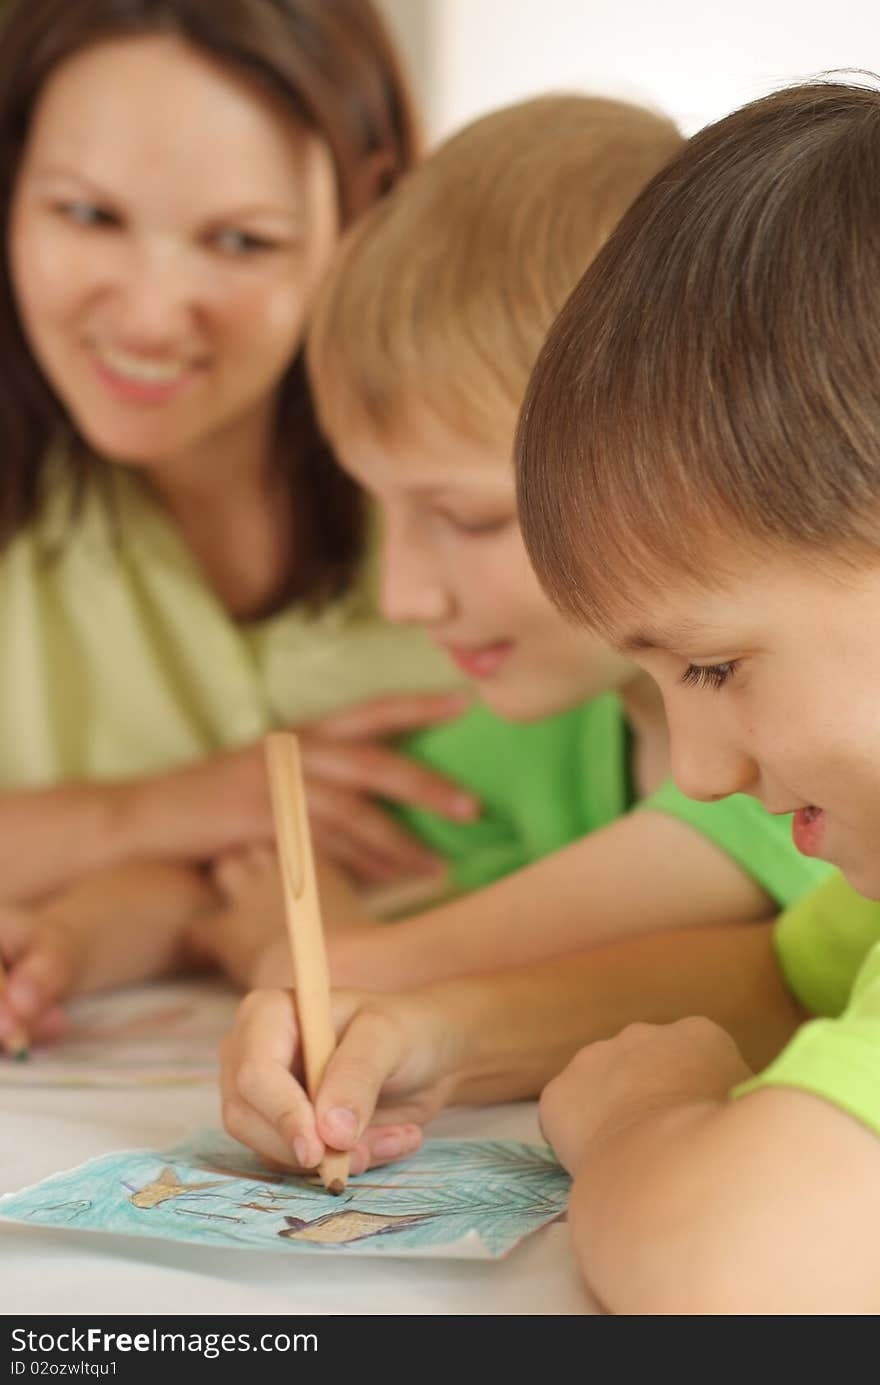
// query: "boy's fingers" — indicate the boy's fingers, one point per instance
point(269, 1089)
point(251, 1127)
point(256, 1074)
point(42, 976)
point(370, 1051)
point(382, 1144)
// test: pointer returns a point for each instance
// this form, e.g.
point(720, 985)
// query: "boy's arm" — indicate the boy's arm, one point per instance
point(687, 1202)
point(488, 1039)
point(643, 873)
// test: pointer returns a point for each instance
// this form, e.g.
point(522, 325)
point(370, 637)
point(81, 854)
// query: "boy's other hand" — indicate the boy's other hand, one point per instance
point(611, 1086)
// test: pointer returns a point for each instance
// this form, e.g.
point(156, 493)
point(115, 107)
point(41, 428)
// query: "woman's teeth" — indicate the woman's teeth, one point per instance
point(139, 370)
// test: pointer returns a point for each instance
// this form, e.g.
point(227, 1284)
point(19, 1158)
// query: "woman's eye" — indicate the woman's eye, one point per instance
point(477, 527)
point(708, 675)
point(232, 242)
point(87, 214)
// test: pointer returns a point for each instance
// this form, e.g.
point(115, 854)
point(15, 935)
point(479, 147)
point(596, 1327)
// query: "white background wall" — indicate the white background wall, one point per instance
point(697, 59)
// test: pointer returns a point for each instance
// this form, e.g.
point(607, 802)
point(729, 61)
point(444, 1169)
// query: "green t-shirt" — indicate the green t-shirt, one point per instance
point(550, 782)
point(828, 946)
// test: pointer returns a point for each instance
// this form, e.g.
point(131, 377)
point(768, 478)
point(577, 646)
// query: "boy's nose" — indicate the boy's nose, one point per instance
point(408, 600)
point(710, 771)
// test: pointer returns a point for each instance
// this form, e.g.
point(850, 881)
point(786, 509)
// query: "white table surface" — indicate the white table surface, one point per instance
point(48, 1271)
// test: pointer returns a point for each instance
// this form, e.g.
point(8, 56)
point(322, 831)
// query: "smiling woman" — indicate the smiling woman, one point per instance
point(183, 566)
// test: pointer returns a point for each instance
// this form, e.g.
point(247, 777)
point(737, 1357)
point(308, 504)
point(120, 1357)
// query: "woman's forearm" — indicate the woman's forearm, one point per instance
point(50, 837)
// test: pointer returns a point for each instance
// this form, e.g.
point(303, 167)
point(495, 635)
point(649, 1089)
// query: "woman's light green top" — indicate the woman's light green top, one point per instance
point(116, 658)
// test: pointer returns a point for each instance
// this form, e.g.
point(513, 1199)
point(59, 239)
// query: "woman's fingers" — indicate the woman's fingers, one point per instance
point(370, 767)
point(365, 838)
point(392, 716)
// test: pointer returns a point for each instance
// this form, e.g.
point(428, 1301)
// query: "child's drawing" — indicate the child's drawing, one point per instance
point(473, 1198)
point(163, 1034)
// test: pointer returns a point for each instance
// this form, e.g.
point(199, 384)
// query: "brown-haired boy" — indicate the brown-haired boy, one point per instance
point(707, 404)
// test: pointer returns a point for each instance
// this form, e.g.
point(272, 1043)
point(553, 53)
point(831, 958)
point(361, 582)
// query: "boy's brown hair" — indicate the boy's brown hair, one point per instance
point(443, 296)
point(714, 380)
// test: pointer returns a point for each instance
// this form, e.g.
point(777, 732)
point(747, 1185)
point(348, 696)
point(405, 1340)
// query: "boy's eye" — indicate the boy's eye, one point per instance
point(87, 214)
point(239, 243)
point(708, 675)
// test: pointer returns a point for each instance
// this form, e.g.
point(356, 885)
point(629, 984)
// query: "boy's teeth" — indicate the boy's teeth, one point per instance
point(142, 371)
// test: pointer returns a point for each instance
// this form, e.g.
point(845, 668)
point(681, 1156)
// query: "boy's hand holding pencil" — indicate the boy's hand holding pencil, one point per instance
point(303, 915)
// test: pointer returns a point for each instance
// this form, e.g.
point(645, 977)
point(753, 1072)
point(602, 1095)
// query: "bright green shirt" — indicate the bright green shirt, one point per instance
point(828, 946)
point(118, 659)
point(550, 782)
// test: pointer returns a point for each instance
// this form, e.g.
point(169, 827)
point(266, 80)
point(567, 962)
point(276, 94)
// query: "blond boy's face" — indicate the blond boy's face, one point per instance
point(772, 688)
point(454, 563)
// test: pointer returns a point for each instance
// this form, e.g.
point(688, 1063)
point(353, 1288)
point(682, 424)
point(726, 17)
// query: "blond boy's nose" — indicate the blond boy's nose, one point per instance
point(409, 600)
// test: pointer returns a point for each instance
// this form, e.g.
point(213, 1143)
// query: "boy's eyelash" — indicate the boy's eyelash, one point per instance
point(709, 675)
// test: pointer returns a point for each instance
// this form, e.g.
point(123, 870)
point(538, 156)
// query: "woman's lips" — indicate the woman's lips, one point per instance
point(141, 388)
point(808, 829)
point(480, 661)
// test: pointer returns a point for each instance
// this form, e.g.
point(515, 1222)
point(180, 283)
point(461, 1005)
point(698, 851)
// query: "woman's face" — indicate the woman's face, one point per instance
point(170, 225)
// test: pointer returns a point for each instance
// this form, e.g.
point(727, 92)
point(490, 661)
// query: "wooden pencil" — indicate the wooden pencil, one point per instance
point(303, 914)
point(17, 1044)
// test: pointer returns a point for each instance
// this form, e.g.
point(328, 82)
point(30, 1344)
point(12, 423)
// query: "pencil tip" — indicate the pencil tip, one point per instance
point(336, 1187)
point(20, 1055)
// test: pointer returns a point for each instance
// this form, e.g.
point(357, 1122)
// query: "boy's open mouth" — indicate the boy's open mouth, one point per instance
point(808, 829)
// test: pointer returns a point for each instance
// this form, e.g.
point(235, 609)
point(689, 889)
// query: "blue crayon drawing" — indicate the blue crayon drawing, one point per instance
point(480, 1196)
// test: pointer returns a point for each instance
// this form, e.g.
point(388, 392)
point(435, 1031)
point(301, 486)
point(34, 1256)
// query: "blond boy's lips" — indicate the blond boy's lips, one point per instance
point(479, 661)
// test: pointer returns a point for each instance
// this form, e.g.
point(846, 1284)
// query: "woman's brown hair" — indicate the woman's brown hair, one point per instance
point(334, 63)
point(714, 380)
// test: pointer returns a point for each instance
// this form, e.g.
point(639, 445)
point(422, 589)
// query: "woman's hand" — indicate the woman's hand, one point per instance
point(392, 1071)
point(347, 765)
point(204, 810)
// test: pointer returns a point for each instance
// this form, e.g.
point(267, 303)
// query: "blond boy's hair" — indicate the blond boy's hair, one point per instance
point(443, 296)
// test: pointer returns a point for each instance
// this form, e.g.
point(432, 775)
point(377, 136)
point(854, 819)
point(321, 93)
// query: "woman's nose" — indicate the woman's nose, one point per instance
point(158, 295)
